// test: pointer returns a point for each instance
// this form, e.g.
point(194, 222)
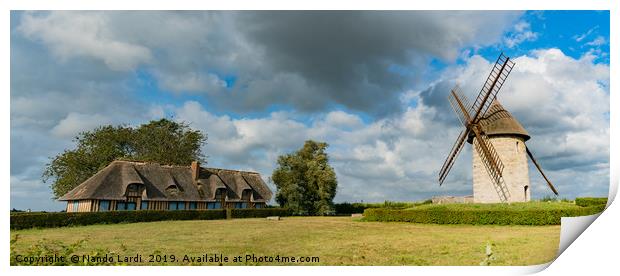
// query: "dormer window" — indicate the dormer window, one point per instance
point(220, 194)
point(132, 188)
point(172, 190)
point(201, 192)
point(245, 195)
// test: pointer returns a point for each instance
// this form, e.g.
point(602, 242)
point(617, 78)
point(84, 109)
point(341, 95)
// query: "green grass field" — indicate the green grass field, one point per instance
point(335, 240)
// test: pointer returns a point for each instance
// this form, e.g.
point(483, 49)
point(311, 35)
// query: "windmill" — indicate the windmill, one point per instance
point(497, 138)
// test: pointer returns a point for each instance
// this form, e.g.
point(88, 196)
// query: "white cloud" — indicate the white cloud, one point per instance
point(190, 82)
point(75, 123)
point(70, 34)
point(521, 33)
point(581, 37)
point(343, 119)
point(598, 41)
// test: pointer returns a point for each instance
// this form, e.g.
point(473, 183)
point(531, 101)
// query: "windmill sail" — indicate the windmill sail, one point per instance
point(470, 114)
point(541, 171)
point(456, 149)
point(495, 81)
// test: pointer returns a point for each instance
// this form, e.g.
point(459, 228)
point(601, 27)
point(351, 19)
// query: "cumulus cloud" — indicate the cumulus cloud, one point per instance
point(70, 34)
point(75, 123)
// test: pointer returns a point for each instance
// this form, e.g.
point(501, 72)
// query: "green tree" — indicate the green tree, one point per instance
point(305, 181)
point(161, 141)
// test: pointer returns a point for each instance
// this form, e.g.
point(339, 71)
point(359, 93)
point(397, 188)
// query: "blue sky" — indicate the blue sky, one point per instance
point(371, 84)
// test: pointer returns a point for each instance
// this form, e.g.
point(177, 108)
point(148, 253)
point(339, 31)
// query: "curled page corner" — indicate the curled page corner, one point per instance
point(572, 227)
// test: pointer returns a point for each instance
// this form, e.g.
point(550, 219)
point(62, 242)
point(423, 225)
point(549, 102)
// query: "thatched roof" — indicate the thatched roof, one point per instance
point(498, 121)
point(169, 183)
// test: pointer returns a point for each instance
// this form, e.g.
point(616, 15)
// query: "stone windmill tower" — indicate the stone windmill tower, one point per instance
point(500, 169)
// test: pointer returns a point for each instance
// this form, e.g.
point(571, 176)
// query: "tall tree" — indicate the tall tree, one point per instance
point(161, 141)
point(305, 181)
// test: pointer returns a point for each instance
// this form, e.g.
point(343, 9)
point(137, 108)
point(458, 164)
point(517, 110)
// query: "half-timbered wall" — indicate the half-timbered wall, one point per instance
point(96, 205)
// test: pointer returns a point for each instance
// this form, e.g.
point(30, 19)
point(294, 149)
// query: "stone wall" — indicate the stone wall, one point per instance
point(511, 150)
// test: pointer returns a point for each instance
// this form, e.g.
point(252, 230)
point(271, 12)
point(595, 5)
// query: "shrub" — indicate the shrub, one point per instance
point(590, 201)
point(461, 214)
point(48, 220)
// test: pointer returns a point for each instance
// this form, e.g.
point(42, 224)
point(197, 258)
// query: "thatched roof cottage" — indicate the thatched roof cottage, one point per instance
point(127, 185)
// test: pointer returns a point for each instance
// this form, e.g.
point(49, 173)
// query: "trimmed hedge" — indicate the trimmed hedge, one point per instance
point(350, 208)
point(60, 219)
point(260, 213)
point(444, 215)
point(590, 201)
point(346, 208)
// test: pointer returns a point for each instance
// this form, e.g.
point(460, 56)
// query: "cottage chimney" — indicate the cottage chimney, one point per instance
point(195, 170)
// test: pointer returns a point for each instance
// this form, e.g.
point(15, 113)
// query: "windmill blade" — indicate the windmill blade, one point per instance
point(541, 171)
point(495, 80)
point(459, 104)
point(492, 163)
point(456, 149)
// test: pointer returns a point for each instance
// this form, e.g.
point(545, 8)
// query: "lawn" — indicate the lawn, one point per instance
point(335, 240)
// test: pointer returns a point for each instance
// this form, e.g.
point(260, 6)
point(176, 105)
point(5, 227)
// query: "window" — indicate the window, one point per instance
point(144, 205)
point(193, 206)
point(241, 205)
point(172, 190)
point(76, 204)
point(220, 194)
point(124, 206)
point(258, 205)
point(176, 205)
point(214, 205)
point(104, 205)
point(132, 188)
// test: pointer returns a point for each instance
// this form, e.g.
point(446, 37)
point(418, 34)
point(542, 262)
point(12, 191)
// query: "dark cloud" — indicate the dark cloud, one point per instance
point(346, 56)
point(309, 60)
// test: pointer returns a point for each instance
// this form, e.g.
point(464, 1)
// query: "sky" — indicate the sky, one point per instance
point(372, 84)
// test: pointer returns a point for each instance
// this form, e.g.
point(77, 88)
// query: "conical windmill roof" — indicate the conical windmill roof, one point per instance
point(498, 121)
